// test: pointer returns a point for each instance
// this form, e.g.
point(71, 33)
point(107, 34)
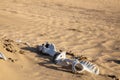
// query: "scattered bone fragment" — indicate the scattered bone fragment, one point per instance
point(2, 56)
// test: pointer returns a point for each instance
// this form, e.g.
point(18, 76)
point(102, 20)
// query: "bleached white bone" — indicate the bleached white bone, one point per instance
point(90, 67)
point(51, 49)
point(63, 61)
point(62, 55)
point(2, 56)
point(82, 65)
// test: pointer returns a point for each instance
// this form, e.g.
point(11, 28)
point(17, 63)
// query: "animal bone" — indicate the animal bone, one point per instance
point(47, 49)
point(60, 59)
point(2, 56)
point(79, 66)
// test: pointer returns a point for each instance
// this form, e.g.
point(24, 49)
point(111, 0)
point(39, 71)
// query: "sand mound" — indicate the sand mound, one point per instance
point(8, 69)
point(10, 45)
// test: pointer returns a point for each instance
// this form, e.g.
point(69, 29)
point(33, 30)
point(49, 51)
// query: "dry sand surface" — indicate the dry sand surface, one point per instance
point(85, 27)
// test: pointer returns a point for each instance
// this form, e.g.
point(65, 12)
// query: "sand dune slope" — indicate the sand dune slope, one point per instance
point(85, 27)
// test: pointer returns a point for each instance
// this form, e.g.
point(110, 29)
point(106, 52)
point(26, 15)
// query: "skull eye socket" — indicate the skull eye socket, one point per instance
point(46, 45)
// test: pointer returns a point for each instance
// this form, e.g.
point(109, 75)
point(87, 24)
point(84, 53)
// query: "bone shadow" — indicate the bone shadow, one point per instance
point(35, 50)
point(31, 49)
point(116, 61)
point(50, 65)
point(46, 63)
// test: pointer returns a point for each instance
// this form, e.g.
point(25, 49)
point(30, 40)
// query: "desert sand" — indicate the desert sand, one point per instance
point(86, 27)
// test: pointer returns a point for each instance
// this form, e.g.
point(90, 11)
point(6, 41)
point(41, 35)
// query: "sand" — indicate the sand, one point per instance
point(85, 27)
